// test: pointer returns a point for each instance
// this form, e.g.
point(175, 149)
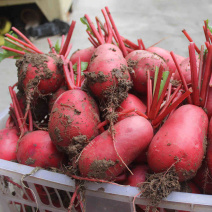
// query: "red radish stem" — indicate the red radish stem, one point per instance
point(90, 179)
point(30, 121)
point(9, 40)
point(140, 42)
point(156, 93)
point(97, 35)
point(190, 39)
point(68, 50)
point(172, 107)
point(206, 77)
point(78, 81)
point(70, 83)
point(181, 75)
point(50, 45)
point(121, 43)
point(99, 27)
point(149, 92)
point(68, 38)
point(169, 91)
point(201, 66)
point(26, 39)
point(168, 102)
point(21, 126)
point(205, 28)
point(13, 50)
point(62, 43)
point(73, 198)
point(12, 182)
point(162, 95)
point(207, 44)
point(93, 40)
point(124, 112)
point(23, 43)
point(129, 50)
point(129, 43)
point(110, 33)
point(71, 71)
point(194, 78)
point(17, 103)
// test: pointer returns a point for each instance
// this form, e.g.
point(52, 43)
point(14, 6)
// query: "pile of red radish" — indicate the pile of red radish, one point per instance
point(133, 114)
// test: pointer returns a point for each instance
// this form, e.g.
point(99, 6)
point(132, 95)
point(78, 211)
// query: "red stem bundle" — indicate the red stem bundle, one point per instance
point(181, 75)
point(121, 43)
point(68, 38)
point(194, 78)
point(190, 39)
point(206, 77)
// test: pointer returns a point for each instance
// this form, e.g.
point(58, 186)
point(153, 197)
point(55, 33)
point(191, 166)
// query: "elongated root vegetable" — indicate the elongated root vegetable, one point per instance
point(143, 61)
point(34, 148)
point(181, 142)
point(84, 55)
point(37, 149)
point(107, 69)
point(131, 102)
point(74, 113)
point(8, 143)
point(103, 157)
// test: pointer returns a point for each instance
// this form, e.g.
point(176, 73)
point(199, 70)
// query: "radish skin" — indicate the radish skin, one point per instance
point(180, 142)
point(132, 135)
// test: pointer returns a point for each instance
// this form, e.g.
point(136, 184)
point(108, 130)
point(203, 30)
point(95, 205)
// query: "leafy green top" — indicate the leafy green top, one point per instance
point(7, 54)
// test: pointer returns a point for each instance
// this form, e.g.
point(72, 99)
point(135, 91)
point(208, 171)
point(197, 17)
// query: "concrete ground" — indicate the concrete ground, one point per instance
point(151, 20)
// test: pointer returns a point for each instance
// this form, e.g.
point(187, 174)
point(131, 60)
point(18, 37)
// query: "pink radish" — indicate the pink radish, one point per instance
point(178, 140)
point(131, 102)
point(74, 113)
point(143, 61)
point(132, 135)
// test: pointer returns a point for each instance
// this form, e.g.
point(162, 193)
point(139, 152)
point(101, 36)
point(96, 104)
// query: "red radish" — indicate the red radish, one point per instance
point(74, 113)
point(209, 149)
point(166, 56)
point(107, 69)
point(131, 102)
point(9, 136)
point(186, 69)
point(55, 95)
point(143, 61)
point(39, 71)
point(138, 177)
point(36, 149)
point(180, 138)
point(132, 135)
point(8, 143)
point(84, 55)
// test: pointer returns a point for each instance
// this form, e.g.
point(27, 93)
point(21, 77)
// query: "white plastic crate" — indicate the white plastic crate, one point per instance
point(99, 197)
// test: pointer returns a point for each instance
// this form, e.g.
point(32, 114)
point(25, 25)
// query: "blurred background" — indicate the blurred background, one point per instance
point(151, 20)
